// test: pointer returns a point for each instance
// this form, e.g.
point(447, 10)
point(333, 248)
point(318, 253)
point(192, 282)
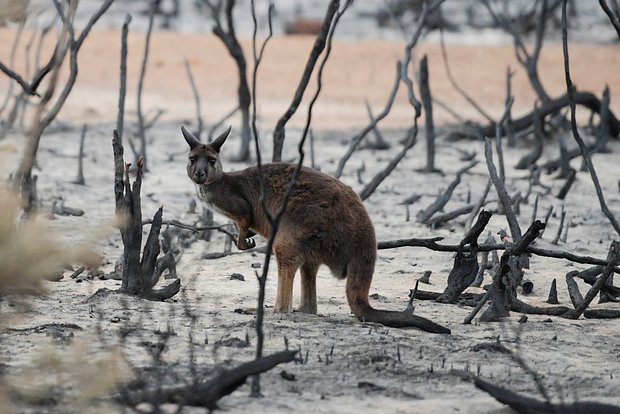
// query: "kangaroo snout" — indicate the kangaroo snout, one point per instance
point(199, 176)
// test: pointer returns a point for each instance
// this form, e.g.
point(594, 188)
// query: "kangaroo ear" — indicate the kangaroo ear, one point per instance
point(219, 141)
point(192, 141)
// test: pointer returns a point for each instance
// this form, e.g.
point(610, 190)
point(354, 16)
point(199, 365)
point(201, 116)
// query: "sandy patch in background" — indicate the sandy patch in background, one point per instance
point(356, 71)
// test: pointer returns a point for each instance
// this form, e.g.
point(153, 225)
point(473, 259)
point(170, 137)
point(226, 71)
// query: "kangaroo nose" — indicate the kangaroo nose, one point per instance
point(199, 174)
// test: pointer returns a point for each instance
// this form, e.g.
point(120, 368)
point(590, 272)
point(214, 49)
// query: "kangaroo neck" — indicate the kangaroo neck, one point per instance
point(211, 193)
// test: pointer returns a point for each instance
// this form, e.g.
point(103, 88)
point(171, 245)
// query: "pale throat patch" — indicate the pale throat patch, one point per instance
point(207, 197)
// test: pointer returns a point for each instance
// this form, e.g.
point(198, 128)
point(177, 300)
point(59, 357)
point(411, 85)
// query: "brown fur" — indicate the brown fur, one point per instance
point(325, 222)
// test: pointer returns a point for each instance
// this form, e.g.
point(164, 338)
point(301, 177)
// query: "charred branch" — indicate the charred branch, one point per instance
point(206, 393)
point(530, 159)
point(613, 18)
point(455, 84)
point(614, 256)
point(66, 43)
point(522, 404)
point(528, 59)
point(120, 118)
point(425, 215)
point(573, 123)
point(379, 143)
point(141, 124)
point(317, 50)
point(227, 34)
point(199, 127)
point(585, 99)
point(429, 127)
point(357, 139)
point(431, 244)
point(383, 174)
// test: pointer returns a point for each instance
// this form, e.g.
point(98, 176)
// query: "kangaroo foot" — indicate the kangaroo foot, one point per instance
point(282, 309)
point(308, 308)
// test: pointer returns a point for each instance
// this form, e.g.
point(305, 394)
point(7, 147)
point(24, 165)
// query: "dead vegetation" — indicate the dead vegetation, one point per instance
point(28, 255)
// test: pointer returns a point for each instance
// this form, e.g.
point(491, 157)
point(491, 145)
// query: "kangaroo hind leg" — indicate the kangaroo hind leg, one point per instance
point(359, 277)
point(308, 288)
point(288, 264)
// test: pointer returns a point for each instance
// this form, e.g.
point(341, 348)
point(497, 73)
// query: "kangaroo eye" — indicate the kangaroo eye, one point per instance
point(212, 161)
point(192, 160)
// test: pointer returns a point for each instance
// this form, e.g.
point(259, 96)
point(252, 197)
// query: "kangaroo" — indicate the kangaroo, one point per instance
point(325, 222)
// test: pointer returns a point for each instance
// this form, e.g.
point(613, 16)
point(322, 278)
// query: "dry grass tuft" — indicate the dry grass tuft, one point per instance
point(29, 250)
point(75, 376)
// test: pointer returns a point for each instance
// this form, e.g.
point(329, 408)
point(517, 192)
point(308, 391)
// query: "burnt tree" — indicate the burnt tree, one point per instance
point(139, 274)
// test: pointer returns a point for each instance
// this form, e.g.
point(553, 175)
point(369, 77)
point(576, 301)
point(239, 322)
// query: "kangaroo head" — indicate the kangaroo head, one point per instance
point(204, 165)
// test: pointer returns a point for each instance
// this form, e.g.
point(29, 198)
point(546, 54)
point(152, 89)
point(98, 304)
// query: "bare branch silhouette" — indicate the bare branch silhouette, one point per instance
point(573, 121)
point(317, 49)
point(228, 36)
point(145, 57)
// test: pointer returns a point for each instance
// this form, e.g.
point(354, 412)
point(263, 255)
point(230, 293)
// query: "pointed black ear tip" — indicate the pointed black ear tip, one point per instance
point(219, 141)
point(185, 132)
point(191, 140)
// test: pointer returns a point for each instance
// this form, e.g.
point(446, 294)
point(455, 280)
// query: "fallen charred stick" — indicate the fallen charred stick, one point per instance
point(440, 219)
point(522, 307)
point(223, 228)
point(589, 276)
point(219, 255)
point(206, 393)
point(587, 99)
point(428, 295)
point(614, 256)
point(523, 404)
point(601, 313)
point(431, 243)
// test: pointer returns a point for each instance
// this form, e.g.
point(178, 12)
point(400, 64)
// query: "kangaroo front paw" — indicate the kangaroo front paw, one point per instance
point(245, 244)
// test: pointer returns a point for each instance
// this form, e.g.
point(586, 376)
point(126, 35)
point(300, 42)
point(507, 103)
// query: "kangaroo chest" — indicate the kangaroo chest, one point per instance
point(209, 198)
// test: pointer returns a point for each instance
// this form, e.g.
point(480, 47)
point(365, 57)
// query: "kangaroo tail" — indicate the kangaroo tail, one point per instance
point(401, 320)
point(357, 296)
